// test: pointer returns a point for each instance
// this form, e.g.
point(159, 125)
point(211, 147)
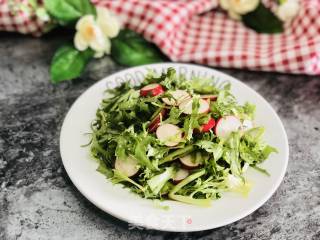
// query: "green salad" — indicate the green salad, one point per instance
point(174, 138)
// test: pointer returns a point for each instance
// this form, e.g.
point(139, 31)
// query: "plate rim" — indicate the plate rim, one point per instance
point(256, 206)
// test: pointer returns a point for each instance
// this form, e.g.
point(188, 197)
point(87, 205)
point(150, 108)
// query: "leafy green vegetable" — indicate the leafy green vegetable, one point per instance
point(177, 153)
point(263, 20)
point(261, 170)
point(120, 130)
point(191, 122)
point(68, 11)
point(104, 169)
point(252, 149)
point(215, 148)
point(141, 151)
point(119, 177)
point(157, 182)
point(131, 49)
point(231, 154)
point(249, 109)
point(203, 86)
point(68, 63)
point(189, 199)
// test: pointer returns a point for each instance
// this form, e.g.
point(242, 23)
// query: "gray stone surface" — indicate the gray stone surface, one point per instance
point(38, 201)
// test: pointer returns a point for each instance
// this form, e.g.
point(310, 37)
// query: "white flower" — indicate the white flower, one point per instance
point(234, 15)
point(225, 4)
point(96, 33)
point(108, 23)
point(236, 8)
point(89, 34)
point(107, 50)
point(288, 10)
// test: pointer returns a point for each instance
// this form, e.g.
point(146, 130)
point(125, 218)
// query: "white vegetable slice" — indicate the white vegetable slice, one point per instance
point(210, 97)
point(227, 125)
point(246, 125)
point(156, 121)
point(128, 167)
point(189, 162)
point(180, 175)
point(186, 106)
point(169, 134)
point(178, 96)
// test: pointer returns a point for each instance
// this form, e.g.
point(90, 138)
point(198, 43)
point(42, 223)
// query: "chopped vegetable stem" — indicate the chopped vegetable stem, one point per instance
point(177, 153)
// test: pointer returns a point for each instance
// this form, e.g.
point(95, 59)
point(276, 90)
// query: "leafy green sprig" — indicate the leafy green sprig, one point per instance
point(127, 48)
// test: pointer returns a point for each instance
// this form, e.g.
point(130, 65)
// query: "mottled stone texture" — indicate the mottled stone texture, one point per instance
point(38, 201)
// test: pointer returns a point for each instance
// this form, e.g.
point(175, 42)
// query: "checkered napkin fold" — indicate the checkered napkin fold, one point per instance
point(196, 31)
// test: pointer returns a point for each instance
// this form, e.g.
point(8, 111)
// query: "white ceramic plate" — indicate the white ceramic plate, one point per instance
point(129, 207)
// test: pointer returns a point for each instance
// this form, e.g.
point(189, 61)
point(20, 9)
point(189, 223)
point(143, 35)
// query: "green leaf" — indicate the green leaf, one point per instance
point(68, 11)
point(119, 177)
point(189, 199)
point(262, 170)
point(262, 20)
point(191, 123)
point(102, 168)
point(177, 153)
point(157, 182)
point(141, 151)
point(252, 148)
point(68, 63)
point(203, 86)
point(232, 154)
point(131, 49)
point(211, 147)
point(267, 150)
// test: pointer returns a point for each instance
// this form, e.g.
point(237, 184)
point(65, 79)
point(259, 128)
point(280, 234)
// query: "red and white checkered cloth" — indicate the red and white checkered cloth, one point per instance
point(14, 19)
point(187, 31)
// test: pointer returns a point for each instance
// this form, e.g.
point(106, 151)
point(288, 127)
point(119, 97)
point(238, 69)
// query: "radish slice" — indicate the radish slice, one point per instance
point(209, 125)
point(153, 89)
point(156, 121)
point(178, 96)
point(227, 125)
point(180, 175)
point(169, 134)
point(209, 97)
point(186, 106)
point(128, 167)
point(189, 162)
